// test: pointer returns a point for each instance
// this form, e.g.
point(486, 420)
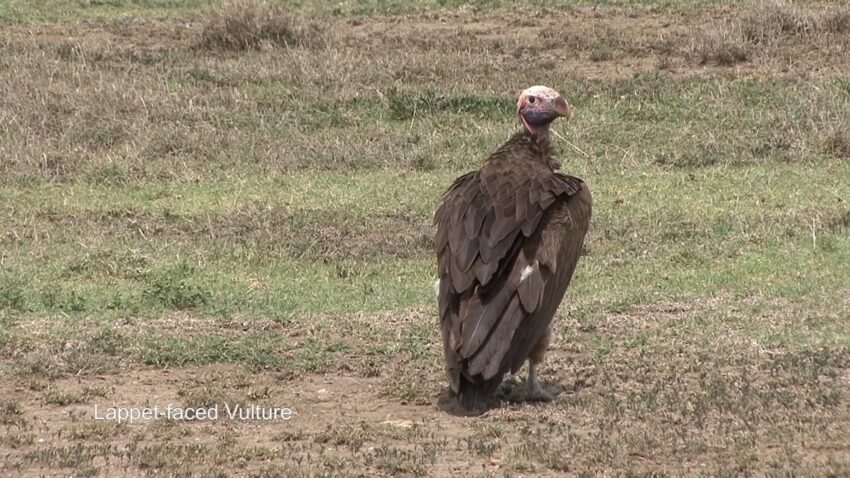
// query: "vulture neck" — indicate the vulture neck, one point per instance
point(525, 146)
point(538, 141)
point(541, 135)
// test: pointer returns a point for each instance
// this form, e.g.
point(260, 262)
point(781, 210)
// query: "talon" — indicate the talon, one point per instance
point(535, 392)
point(538, 394)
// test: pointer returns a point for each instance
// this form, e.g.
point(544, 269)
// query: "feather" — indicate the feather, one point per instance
point(502, 226)
point(530, 288)
point(484, 271)
point(530, 224)
point(460, 280)
point(467, 254)
point(484, 245)
point(487, 361)
point(483, 315)
point(474, 218)
point(522, 204)
point(500, 249)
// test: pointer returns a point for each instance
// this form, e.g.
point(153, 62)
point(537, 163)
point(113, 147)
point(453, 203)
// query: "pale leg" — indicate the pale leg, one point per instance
point(534, 389)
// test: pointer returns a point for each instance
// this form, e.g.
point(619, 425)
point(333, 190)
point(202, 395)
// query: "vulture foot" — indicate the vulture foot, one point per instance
point(535, 391)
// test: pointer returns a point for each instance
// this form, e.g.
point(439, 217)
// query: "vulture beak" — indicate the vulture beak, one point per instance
point(561, 107)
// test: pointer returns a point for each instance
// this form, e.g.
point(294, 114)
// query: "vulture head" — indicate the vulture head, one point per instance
point(538, 106)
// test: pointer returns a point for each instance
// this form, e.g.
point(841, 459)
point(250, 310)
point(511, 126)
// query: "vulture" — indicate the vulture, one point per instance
point(508, 237)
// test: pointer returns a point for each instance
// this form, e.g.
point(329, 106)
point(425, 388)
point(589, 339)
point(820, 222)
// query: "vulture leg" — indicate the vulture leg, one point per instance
point(535, 391)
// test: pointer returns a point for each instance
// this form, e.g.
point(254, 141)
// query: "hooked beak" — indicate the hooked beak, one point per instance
point(561, 107)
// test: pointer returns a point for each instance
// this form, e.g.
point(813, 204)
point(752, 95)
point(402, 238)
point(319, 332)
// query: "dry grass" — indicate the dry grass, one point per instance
point(765, 30)
point(253, 24)
point(653, 388)
point(782, 19)
point(721, 46)
point(838, 144)
point(774, 21)
point(237, 222)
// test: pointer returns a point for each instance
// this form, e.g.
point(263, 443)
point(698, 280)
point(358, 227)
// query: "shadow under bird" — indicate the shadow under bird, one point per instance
point(508, 239)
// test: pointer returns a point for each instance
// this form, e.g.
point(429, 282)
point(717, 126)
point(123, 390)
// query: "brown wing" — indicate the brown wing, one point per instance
point(487, 235)
point(559, 245)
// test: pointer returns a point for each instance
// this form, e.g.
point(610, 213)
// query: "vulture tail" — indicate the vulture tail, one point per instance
point(477, 396)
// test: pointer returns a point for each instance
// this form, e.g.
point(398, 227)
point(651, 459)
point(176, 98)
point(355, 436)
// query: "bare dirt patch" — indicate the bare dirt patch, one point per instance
point(334, 418)
point(654, 388)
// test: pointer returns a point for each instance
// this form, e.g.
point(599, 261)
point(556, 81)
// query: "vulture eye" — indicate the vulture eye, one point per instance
point(532, 99)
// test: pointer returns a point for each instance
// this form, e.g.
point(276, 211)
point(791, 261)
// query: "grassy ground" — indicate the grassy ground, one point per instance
point(203, 206)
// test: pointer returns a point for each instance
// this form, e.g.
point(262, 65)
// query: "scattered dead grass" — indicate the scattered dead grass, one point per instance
point(253, 24)
point(636, 415)
point(721, 46)
point(767, 30)
point(155, 107)
point(780, 20)
point(776, 20)
point(656, 387)
point(838, 144)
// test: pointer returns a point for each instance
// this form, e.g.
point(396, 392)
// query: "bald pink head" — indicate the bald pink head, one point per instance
point(538, 106)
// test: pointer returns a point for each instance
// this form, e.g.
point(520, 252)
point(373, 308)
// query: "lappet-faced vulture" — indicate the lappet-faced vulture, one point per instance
point(508, 239)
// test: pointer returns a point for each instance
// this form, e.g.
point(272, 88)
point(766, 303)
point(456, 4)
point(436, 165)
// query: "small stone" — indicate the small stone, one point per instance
point(404, 424)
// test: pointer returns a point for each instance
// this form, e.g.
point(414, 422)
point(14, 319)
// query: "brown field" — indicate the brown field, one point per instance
point(203, 206)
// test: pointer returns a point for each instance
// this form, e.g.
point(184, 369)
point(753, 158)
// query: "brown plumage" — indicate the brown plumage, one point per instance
point(508, 239)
